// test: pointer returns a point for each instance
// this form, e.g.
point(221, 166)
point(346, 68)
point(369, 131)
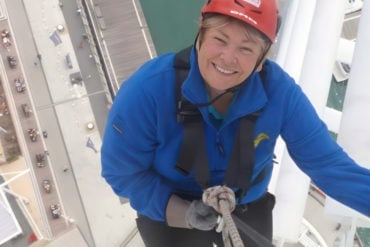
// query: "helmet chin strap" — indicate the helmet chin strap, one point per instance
point(229, 90)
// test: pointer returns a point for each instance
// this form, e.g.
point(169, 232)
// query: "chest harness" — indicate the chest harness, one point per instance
point(193, 153)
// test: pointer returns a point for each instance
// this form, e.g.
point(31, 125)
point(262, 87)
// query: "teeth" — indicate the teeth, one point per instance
point(222, 70)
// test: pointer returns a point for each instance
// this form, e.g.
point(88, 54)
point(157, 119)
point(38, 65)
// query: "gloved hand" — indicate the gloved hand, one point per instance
point(195, 214)
point(201, 216)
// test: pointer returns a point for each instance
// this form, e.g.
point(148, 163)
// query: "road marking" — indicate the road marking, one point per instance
point(43, 107)
point(142, 30)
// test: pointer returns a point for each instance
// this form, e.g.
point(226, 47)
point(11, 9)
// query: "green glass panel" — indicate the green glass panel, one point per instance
point(364, 236)
point(336, 94)
point(173, 24)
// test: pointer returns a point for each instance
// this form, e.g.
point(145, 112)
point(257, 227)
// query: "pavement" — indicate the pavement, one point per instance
point(64, 110)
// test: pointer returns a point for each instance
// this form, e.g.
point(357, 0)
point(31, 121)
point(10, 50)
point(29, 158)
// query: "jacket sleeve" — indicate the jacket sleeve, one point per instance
point(319, 156)
point(128, 151)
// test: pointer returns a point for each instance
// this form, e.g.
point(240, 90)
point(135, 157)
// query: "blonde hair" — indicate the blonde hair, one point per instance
point(213, 20)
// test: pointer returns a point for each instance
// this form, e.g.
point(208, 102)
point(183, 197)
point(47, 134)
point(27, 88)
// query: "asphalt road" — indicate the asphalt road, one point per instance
point(23, 124)
point(46, 119)
point(86, 63)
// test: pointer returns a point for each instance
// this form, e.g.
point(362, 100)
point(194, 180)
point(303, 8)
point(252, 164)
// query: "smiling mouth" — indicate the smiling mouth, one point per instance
point(223, 71)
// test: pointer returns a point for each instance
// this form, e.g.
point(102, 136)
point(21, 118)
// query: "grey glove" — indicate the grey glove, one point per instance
point(201, 216)
point(185, 214)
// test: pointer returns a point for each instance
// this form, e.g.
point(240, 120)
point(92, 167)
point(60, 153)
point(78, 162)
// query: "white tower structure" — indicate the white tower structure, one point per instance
point(314, 77)
point(354, 135)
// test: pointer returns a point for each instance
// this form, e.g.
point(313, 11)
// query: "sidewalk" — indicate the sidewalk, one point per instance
point(109, 220)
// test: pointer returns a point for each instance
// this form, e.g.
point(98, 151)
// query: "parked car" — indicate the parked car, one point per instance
point(69, 61)
point(46, 185)
point(55, 211)
point(5, 36)
point(20, 86)
point(11, 61)
point(6, 42)
point(45, 134)
point(40, 158)
point(33, 133)
point(26, 110)
point(5, 33)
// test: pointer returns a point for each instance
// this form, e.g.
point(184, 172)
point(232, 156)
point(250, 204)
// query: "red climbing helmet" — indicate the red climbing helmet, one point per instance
point(260, 14)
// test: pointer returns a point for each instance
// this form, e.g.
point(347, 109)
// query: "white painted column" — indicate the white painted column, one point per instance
point(293, 39)
point(354, 134)
point(315, 76)
point(298, 35)
point(288, 15)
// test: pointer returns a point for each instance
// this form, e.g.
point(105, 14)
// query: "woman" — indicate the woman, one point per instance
point(229, 80)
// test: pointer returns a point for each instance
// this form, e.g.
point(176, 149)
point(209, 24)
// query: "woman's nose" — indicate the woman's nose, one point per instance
point(228, 56)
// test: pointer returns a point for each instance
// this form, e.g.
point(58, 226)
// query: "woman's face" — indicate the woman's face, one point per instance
point(227, 56)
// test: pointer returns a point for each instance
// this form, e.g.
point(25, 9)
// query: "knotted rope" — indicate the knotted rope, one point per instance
point(222, 199)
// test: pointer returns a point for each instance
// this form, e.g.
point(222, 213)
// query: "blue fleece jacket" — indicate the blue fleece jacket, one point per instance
point(142, 138)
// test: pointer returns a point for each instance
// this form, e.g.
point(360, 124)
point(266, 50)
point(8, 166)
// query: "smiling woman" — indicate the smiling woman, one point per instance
point(227, 56)
point(192, 131)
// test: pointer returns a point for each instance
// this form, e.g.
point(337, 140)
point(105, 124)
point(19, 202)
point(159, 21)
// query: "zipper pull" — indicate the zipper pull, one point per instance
point(220, 147)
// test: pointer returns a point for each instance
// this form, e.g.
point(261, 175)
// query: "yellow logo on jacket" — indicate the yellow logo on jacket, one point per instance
point(259, 138)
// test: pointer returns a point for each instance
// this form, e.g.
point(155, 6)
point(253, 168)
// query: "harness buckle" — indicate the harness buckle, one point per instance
point(186, 112)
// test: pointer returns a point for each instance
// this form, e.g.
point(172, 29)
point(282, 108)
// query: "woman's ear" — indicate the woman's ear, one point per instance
point(260, 66)
point(197, 42)
point(265, 55)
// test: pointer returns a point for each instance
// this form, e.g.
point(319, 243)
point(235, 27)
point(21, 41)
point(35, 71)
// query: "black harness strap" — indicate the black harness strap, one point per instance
point(182, 66)
point(193, 153)
point(241, 163)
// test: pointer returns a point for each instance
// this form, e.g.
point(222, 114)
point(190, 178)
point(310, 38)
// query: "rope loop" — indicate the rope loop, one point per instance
point(213, 195)
point(222, 199)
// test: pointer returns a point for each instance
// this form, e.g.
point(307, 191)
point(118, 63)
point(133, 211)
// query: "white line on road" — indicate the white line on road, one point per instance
point(142, 30)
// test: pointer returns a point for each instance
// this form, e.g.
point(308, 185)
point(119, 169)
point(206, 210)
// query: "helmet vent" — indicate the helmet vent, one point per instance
point(238, 3)
point(256, 11)
point(255, 3)
point(243, 5)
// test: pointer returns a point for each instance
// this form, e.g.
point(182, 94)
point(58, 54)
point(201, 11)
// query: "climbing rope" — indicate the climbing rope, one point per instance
point(222, 199)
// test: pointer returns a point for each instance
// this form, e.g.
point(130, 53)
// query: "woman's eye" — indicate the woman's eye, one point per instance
point(246, 49)
point(220, 40)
